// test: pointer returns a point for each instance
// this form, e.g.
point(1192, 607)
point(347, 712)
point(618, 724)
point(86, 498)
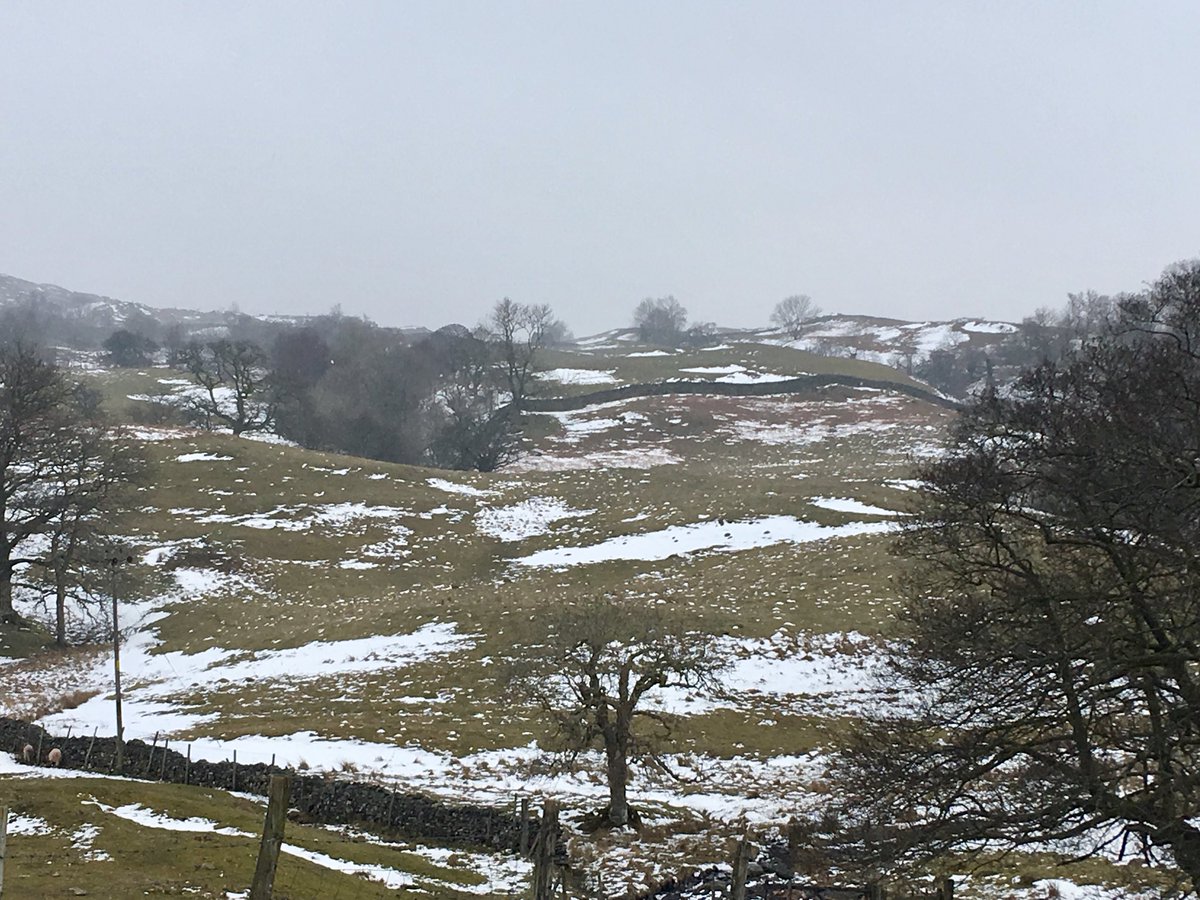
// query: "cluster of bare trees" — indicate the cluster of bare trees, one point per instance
point(1051, 643)
point(450, 399)
point(663, 321)
point(64, 477)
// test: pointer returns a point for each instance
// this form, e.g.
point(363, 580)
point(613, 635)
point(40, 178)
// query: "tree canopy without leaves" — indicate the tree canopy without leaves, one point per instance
point(593, 666)
point(519, 331)
point(62, 474)
point(661, 321)
point(1052, 631)
point(234, 386)
point(129, 348)
point(793, 313)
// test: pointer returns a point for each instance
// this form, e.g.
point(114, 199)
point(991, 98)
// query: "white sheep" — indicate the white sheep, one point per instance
point(54, 757)
point(27, 753)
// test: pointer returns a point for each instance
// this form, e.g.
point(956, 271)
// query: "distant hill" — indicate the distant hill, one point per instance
point(58, 316)
point(956, 356)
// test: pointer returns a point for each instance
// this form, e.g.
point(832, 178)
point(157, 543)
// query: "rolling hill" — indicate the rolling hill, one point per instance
point(352, 617)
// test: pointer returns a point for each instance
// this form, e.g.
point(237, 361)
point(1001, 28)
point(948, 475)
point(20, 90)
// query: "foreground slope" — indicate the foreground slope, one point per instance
point(343, 614)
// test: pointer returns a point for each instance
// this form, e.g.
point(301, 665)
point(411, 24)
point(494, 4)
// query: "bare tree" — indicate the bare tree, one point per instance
point(793, 313)
point(129, 348)
point(661, 321)
point(94, 471)
point(593, 666)
point(57, 470)
point(519, 332)
point(1050, 643)
point(234, 383)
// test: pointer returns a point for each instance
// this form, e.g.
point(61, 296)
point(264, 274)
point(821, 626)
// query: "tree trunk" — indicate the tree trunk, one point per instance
point(617, 754)
point(1184, 844)
point(8, 615)
point(60, 609)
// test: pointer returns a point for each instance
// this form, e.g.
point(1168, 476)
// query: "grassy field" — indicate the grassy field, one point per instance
point(90, 837)
point(254, 551)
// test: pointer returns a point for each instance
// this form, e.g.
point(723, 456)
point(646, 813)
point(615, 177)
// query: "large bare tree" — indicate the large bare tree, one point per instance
point(661, 320)
point(519, 331)
point(58, 469)
point(94, 471)
point(1051, 642)
point(793, 313)
point(593, 667)
point(235, 387)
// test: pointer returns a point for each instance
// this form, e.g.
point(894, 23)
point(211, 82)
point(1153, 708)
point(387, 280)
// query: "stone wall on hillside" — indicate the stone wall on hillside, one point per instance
point(317, 798)
point(799, 385)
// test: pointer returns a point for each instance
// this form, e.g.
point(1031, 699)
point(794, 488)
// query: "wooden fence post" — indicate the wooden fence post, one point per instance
point(187, 766)
point(234, 786)
point(741, 863)
point(946, 889)
point(272, 839)
point(87, 759)
point(524, 845)
point(3, 843)
point(150, 760)
point(543, 853)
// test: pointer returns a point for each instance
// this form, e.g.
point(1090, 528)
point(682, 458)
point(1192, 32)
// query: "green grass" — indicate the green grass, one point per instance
point(292, 591)
point(729, 457)
point(154, 861)
point(766, 358)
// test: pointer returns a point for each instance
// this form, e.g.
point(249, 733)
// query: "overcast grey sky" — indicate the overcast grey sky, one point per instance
point(415, 162)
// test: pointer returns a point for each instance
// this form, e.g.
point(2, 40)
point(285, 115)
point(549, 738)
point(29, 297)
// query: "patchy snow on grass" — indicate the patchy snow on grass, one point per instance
point(151, 435)
point(526, 519)
point(202, 457)
point(850, 505)
point(390, 878)
point(199, 582)
point(34, 826)
point(268, 437)
point(153, 681)
point(715, 536)
point(453, 487)
point(82, 839)
point(644, 353)
point(577, 428)
point(829, 674)
point(779, 434)
point(642, 458)
point(753, 377)
point(981, 327)
point(341, 516)
point(579, 376)
point(716, 370)
point(148, 818)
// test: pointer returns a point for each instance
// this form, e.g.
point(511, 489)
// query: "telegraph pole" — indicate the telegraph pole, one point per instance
point(120, 759)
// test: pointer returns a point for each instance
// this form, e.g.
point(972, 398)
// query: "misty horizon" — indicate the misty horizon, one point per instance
point(416, 164)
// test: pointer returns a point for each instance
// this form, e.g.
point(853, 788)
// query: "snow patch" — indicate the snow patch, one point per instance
point(579, 376)
point(526, 519)
point(716, 536)
point(850, 505)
